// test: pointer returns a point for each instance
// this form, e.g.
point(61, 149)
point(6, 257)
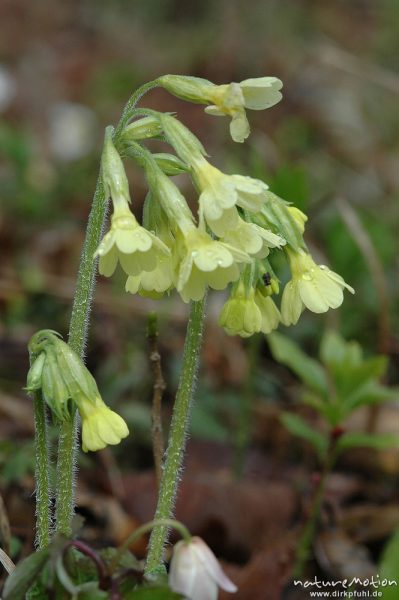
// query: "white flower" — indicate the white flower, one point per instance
point(314, 286)
point(196, 573)
point(136, 248)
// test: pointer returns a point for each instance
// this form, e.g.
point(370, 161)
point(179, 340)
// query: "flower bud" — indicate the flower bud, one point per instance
point(192, 89)
point(116, 185)
point(186, 144)
point(63, 379)
point(196, 573)
point(142, 129)
point(170, 164)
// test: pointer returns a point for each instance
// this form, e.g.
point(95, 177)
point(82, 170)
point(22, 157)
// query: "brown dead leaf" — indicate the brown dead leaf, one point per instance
point(341, 557)
point(367, 522)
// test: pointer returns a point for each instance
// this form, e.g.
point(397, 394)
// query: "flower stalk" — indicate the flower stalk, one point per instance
point(42, 474)
point(177, 437)
point(78, 329)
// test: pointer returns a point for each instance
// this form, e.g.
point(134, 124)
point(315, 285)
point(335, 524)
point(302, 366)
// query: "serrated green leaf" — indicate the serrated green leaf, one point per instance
point(297, 426)
point(376, 441)
point(389, 569)
point(287, 352)
point(26, 573)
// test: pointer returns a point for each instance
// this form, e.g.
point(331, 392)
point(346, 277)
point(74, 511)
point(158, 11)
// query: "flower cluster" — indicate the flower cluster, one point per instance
point(60, 375)
point(231, 238)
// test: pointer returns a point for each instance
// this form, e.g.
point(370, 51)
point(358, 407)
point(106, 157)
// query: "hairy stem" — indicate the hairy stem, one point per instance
point(42, 474)
point(79, 327)
point(177, 437)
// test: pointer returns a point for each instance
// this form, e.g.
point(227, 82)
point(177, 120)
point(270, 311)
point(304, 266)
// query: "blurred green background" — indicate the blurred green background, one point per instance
point(330, 147)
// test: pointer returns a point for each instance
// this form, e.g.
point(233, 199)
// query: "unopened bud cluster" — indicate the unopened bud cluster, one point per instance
point(65, 383)
point(232, 237)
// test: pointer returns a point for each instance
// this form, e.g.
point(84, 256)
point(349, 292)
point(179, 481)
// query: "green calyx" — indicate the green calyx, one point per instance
point(59, 374)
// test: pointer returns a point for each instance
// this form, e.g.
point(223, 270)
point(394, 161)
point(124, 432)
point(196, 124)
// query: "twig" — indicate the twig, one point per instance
point(158, 390)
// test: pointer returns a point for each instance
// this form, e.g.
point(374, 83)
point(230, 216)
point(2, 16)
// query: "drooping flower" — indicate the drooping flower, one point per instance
point(270, 314)
point(136, 248)
point(199, 261)
point(129, 243)
point(241, 315)
point(313, 286)
point(206, 263)
point(252, 238)
point(196, 573)
point(229, 99)
point(153, 283)
point(59, 373)
point(101, 426)
point(219, 193)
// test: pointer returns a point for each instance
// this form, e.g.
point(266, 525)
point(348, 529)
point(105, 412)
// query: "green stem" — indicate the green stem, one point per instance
point(42, 473)
point(79, 327)
point(140, 531)
point(307, 537)
point(177, 437)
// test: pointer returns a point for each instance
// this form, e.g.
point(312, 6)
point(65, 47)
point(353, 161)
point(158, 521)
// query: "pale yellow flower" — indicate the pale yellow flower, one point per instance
point(252, 238)
point(155, 282)
point(313, 286)
point(221, 192)
point(234, 98)
point(195, 571)
point(136, 248)
point(241, 315)
point(205, 262)
point(101, 426)
point(270, 314)
point(230, 99)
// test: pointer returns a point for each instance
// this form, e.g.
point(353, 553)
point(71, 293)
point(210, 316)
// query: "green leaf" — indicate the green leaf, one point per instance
point(26, 573)
point(370, 393)
point(287, 352)
point(331, 411)
point(389, 568)
point(297, 426)
point(333, 348)
point(377, 441)
point(153, 593)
